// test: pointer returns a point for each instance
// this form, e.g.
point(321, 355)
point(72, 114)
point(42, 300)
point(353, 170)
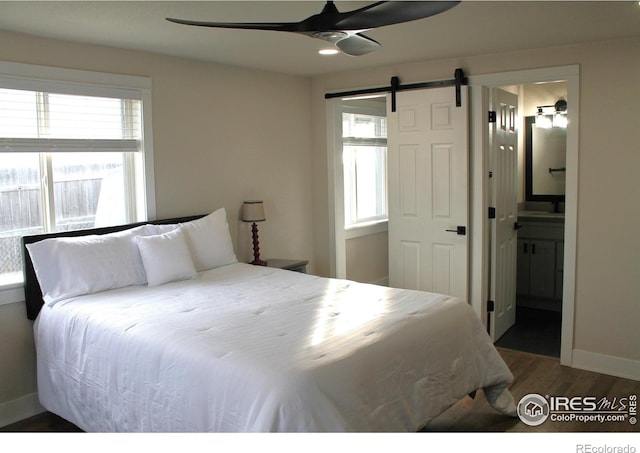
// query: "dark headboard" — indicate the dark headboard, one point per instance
point(32, 292)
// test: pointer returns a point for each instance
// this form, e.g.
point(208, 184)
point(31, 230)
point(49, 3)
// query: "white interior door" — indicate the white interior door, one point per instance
point(428, 160)
point(503, 137)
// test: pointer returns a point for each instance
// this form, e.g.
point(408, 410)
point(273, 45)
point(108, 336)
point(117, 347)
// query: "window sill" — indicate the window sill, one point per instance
point(366, 229)
point(11, 293)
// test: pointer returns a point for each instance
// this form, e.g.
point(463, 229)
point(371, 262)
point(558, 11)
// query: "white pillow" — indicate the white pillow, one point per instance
point(165, 227)
point(209, 241)
point(73, 266)
point(166, 257)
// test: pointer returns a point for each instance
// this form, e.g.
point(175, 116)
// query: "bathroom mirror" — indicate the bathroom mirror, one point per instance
point(545, 159)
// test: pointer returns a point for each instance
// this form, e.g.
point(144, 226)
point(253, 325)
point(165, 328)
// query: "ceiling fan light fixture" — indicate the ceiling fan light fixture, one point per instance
point(328, 51)
point(331, 36)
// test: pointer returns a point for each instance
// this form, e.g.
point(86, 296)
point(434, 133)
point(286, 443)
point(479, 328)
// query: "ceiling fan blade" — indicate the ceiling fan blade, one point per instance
point(357, 44)
point(323, 21)
point(341, 29)
point(381, 14)
point(375, 15)
point(276, 26)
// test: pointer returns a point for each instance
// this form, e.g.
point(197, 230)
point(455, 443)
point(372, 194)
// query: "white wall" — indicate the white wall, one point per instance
point(367, 258)
point(221, 135)
point(607, 311)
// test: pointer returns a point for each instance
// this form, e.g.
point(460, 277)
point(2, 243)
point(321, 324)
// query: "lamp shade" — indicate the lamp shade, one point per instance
point(253, 211)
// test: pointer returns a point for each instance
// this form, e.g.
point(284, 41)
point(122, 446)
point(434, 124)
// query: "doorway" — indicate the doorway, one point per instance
point(481, 245)
point(540, 222)
point(357, 129)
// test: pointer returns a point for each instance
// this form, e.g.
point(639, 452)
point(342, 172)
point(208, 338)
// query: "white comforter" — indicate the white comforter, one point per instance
point(244, 348)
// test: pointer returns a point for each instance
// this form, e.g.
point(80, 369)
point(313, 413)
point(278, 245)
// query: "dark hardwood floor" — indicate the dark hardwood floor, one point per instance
point(42, 423)
point(533, 373)
point(543, 375)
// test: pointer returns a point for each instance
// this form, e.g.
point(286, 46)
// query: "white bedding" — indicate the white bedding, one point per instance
point(244, 348)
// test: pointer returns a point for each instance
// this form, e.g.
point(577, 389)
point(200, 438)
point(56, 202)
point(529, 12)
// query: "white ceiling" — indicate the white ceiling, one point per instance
point(471, 28)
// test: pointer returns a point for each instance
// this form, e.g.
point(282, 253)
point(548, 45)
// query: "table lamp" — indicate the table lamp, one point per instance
point(253, 211)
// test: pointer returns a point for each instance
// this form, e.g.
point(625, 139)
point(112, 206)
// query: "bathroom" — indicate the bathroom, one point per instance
point(541, 207)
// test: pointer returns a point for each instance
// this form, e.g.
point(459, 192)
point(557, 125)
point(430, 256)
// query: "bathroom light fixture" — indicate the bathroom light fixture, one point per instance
point(543, 120)
point(552, 115)
point(560, 115)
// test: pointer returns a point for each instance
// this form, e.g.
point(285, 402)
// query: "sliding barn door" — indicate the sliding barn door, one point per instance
point(428, 159)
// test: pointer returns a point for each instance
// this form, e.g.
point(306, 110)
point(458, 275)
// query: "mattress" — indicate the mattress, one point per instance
point(242, 348)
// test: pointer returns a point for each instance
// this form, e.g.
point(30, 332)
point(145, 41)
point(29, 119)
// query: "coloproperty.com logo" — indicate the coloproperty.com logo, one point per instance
point(535, 409)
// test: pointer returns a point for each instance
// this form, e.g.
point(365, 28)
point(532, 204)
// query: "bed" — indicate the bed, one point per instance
point(179, 336)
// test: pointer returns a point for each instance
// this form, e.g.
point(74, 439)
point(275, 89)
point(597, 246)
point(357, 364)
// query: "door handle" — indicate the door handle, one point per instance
point(460, 230)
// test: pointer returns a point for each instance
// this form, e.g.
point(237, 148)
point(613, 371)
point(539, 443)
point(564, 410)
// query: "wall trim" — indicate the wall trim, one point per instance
point(606, 364)
point(12, 294)
point(368, 229)
point(24, 407)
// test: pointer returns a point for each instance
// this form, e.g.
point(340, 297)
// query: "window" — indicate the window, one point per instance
point(364, 147)
point(71, 157)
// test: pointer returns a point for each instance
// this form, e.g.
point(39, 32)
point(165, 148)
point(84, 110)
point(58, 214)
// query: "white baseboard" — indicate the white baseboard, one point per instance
point(606, 364)
point(19, 409)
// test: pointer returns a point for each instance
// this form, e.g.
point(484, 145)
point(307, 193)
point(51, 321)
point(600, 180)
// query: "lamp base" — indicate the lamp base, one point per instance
point(256, 247)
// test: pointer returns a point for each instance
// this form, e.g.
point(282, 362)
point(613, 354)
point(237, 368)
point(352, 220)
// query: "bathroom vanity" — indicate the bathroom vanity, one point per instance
point(540, 260)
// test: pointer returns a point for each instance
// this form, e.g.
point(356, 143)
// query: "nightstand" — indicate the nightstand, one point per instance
point(291, 265)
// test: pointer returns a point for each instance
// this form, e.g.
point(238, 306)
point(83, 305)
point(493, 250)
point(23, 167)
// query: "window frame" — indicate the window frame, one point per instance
point(88, 83)
point(374, 224)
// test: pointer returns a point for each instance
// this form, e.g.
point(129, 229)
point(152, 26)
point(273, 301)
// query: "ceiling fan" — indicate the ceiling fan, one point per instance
point(344, 30)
